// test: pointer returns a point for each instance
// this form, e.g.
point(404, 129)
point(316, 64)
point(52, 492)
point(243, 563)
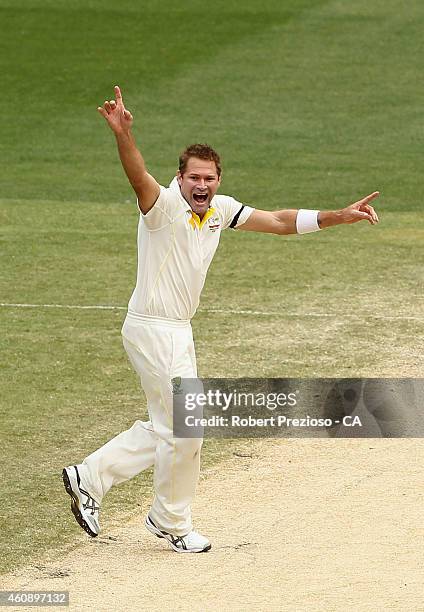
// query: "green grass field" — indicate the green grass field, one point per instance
point(310, 103)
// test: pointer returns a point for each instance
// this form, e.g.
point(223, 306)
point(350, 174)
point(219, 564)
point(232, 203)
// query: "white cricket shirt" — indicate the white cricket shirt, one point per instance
point(175, 249)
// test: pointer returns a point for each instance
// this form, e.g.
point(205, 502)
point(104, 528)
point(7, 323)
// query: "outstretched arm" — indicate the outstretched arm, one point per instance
point(120, 121)
point(284, 221)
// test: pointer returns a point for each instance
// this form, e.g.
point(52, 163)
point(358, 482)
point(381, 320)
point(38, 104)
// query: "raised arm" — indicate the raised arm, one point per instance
point(289, 222)
point(120, 121)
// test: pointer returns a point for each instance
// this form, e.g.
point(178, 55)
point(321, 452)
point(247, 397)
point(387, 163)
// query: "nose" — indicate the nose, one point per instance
point(202, 183)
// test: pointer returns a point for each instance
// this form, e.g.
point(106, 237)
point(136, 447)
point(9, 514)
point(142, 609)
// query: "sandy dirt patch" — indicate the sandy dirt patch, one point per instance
point(295, 525)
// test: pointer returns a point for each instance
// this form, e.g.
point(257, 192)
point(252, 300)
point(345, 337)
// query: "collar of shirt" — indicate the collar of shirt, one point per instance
point(195, 219)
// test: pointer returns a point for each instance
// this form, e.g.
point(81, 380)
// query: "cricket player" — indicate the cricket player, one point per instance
point(178, 233)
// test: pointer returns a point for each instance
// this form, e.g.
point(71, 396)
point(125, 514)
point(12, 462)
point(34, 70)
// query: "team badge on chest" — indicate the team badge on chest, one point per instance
point(214, 223)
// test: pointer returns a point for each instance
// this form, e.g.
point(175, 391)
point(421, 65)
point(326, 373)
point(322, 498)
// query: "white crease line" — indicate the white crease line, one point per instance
point(68, 306)
point(265, 314)
point(224, 311)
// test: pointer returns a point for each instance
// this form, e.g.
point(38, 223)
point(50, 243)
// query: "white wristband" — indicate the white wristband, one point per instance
point(307, 221)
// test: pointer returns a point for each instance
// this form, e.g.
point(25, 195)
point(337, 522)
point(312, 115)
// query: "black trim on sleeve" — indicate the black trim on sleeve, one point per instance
point(236, 218)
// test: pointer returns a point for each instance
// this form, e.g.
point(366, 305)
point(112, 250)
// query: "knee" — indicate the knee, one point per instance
point(189, 447)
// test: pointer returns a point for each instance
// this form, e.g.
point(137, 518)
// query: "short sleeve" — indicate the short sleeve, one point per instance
point(160, 214)
point(233, 213)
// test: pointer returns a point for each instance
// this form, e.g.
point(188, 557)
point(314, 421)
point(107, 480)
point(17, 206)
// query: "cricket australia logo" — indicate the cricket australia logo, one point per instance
point(214, 223)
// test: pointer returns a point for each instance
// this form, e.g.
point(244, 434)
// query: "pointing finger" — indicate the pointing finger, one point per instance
point(118, 94)
point(370, 197)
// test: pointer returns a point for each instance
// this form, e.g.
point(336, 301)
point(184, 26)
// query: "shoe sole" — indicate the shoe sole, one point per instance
point(159, 534)
point(75, 505)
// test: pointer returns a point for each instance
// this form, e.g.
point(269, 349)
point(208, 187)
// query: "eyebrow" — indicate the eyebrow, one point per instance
point(196, 174)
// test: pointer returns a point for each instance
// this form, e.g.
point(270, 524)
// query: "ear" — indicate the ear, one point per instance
point(179, 178)
point(219, 179)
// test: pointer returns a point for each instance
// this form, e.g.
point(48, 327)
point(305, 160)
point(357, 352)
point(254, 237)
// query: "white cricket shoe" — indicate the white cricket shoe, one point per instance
point(193, 542)
point(83, 505)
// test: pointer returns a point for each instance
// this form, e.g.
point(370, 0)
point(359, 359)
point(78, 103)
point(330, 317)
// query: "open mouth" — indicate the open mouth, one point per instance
point(200, 198)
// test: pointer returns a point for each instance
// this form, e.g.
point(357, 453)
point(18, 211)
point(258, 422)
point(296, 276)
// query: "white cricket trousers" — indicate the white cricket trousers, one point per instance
point(159, 350)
